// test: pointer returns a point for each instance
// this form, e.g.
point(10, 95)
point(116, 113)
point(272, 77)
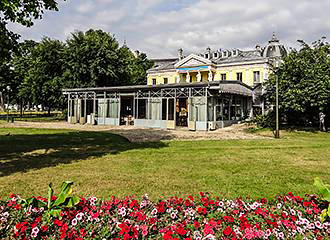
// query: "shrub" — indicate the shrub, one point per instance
point(266, 121)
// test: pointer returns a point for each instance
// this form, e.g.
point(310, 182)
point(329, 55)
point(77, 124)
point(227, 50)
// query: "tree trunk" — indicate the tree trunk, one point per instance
point(21, 108)
point(2, 103)
point(49, 111)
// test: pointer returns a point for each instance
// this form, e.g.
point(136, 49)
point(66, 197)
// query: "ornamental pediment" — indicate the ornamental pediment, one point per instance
point(193, 60)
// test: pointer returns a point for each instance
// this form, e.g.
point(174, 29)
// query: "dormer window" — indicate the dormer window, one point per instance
point(206, 56)
point(215, 55)
point(235, 52)
point(224, 54)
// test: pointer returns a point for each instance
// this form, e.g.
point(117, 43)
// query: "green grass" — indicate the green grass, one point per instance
point(104, 164)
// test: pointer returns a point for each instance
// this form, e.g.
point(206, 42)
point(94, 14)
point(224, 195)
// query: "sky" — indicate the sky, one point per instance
point(160, 27)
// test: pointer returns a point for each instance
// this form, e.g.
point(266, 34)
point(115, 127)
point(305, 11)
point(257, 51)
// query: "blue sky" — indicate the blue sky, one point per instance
point(160, 27)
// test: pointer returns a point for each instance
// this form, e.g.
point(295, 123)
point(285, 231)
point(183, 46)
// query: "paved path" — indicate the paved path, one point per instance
point(135, 134)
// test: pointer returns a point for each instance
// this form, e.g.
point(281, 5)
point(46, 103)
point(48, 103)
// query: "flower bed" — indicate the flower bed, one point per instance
point(192, 217)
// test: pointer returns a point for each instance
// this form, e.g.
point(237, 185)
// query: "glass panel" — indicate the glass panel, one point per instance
point(164, 109)
point(142, 109)
point(171, 109)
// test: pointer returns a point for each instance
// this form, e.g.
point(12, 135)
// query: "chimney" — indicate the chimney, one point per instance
point(208, 50)
point(180, 54)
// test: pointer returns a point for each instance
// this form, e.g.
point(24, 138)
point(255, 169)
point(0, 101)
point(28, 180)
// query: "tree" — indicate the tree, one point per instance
point(92, 59)
point(20, 68)
point(44, 78)
point(21, 12)
point(304, 83)
point(137, 65)
point(8, 43)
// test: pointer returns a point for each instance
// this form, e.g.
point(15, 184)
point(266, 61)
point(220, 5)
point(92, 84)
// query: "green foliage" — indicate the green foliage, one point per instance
point(266, 121)
point(324, 193)
point(54, 207)
point(136, 66)
point(94, 59)
point(304, 83)
point(42, 79)
point(21, 12)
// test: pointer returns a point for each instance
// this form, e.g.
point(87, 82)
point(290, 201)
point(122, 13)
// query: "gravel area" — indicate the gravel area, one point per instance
point(135, 134)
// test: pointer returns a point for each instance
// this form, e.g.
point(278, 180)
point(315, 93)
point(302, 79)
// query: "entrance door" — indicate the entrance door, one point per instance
point(126, 111)
point(182, 112)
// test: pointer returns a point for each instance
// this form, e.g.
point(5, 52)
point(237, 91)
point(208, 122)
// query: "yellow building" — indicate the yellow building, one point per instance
point(250, 67)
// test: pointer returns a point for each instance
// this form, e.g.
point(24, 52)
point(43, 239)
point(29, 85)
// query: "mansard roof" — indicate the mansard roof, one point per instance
point(242, 56)
point(274, 49)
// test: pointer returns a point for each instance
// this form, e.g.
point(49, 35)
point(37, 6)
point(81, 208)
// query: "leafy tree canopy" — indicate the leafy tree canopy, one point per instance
point(304, 83)
point(95, 59)
point(43, 80)
point(21, 12)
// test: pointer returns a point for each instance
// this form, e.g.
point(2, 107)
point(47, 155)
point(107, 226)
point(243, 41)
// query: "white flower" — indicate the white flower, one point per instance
point(281, 235)
point(35, 230)
point(79, 216)
point(74, 222)
point(143, 204)
point(300, 230)
point(137, 227)
point(318, 225)
point(173, 215)
point(154, 211)
point(209, 237)
point(279, 205)
point(311, 226)
point(221, 204)
point(197, 235)
point(6, 214)
point(299, 214)
point(122, 211)
point(305, 221)
point(293, 212)
point(34, 234)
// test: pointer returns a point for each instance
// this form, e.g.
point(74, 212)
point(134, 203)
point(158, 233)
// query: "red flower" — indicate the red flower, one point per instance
point(58, 222)
point(306, 204)
point(18, 206)
point(168, 235)
point(197, 224)
point(83, 232)
point(229, 219)
point(228, 231)
point(181, 231)
point(45, 228)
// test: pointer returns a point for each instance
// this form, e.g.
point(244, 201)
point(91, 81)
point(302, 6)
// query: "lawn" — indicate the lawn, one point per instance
point(104, 164)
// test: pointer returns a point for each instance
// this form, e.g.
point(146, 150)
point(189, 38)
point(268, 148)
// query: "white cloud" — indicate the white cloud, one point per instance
point(160, 27)
point(85, 7)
